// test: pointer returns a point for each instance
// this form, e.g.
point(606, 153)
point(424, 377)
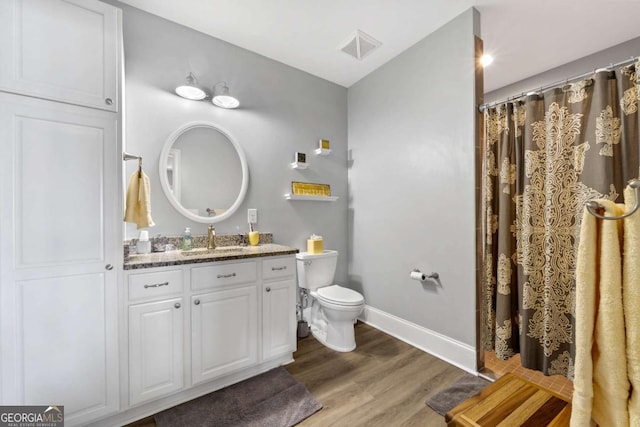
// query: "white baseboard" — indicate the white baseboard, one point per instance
point(451, 351)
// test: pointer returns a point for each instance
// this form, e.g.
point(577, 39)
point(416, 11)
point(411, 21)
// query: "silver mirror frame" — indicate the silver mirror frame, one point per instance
point(164, 156)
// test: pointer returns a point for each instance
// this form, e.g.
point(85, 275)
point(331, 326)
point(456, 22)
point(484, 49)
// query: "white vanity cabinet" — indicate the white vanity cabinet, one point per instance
point(62, 50)
point(224, 332)
point(156, 334)
point(224, 323)
point(278, 306)
point(197, 327)
point(155, 349)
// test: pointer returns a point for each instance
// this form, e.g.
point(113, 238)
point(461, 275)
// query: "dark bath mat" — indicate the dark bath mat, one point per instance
point(460, 390)
point(271, 399)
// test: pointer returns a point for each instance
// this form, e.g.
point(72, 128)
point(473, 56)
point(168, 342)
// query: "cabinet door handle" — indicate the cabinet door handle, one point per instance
point(108, 101)
point(156, 285)
point(177, 305)
point(284, 267)
point(224, 276)
point(108, 267)
point(268, 289)
point(197, 302)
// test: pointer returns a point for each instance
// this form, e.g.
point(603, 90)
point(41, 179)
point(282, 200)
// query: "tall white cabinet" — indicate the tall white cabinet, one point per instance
point(63, 50)
point(60, 252)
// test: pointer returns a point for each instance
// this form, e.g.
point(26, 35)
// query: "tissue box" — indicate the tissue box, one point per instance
point(314, 246)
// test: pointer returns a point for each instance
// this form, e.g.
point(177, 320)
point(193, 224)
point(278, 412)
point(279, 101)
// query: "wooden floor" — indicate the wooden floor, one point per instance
point(383, 382)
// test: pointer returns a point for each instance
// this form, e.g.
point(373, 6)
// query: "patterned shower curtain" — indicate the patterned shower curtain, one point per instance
point(545, 156)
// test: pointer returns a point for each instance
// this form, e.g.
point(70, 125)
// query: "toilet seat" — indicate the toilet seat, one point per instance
point(338, 295)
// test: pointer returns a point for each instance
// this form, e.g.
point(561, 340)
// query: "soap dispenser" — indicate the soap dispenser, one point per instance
point(187, 242)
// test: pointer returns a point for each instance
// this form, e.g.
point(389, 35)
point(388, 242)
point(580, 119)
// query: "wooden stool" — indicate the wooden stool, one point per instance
point(511, 401)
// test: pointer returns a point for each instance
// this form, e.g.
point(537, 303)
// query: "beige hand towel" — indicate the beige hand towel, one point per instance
point(601, 386)
point(138, 203)
point(631, 296)
point(586, 269)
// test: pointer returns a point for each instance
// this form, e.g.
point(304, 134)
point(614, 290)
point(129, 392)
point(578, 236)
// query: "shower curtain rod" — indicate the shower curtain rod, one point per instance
point(483, 107)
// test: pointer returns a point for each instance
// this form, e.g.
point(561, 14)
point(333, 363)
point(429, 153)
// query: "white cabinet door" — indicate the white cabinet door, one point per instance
point(155, 349)
point(64, 50)
point(59, 229)
point(278, 318)
point(224, 332)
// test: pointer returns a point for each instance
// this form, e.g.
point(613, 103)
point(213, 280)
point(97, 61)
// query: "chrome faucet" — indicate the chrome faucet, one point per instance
point(211, 237)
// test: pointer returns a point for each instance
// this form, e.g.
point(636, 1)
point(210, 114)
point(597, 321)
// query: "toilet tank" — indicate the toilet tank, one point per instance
point(316, 270)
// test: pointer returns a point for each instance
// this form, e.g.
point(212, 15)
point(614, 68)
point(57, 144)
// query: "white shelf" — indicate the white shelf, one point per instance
point(314, 198)
point(323, 151)
point(297, 165)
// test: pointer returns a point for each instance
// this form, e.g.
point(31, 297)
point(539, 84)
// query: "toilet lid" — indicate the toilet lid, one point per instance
point(339, 295)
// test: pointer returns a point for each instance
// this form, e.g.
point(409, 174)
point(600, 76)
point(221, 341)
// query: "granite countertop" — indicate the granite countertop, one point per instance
point(200, 255)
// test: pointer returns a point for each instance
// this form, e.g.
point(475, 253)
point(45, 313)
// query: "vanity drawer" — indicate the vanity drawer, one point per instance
point(223, 275)
point(273, 268)
point(151, 285)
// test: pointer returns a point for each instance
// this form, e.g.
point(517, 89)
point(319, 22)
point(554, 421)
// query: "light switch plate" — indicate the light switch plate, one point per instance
point(252, 216)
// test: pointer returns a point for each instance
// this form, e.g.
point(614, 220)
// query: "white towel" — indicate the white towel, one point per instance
point(138, 202)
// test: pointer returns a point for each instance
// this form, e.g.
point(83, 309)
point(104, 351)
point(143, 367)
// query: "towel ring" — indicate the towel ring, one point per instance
point(593, 205)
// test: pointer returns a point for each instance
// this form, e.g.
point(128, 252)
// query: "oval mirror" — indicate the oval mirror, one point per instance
point(203, 172)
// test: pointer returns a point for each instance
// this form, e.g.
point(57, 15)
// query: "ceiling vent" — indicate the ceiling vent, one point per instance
point(359, 45)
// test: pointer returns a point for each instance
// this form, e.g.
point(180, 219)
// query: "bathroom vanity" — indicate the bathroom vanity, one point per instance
point(200, 320)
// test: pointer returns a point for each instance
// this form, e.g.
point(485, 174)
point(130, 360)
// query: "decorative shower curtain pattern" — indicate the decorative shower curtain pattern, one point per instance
point(546, 155)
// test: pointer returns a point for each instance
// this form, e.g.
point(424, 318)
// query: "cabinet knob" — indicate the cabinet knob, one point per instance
point(268, 289)
point(177, 305)
point(197, 302)
point(108, 267)
point(108, 101)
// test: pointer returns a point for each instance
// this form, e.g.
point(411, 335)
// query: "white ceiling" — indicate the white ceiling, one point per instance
point(526, 37)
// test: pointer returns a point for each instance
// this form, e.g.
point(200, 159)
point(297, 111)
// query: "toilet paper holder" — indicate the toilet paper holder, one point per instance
point(422, 276)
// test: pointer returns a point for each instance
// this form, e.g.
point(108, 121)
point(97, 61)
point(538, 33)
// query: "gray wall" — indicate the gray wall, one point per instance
point(597, 60)
point(283, 110)
point(411, 182)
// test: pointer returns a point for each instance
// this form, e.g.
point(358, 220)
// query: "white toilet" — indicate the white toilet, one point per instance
point(334, 309)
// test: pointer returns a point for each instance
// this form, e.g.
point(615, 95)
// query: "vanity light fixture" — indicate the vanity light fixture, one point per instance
point(221, 97)
point(190, 89)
